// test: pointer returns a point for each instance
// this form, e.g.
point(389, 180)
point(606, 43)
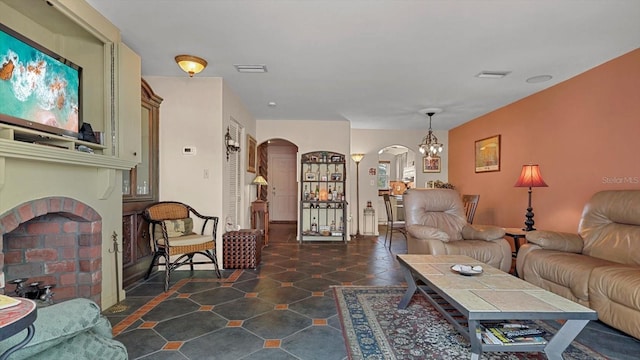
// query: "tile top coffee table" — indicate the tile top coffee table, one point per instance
point(492, 295)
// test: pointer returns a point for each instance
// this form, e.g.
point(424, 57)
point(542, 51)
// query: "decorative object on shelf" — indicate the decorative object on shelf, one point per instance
point(439, 184)
point(530, 177)
point(430, 144)
point(357, 158)
point(260, 181)
point(431, 164)
point(191, 64)
point(231, 144)
point(488, 154)
point(251, 154)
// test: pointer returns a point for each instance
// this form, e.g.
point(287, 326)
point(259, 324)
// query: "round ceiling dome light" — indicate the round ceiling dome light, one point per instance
point(191, 64)
point(539, 79)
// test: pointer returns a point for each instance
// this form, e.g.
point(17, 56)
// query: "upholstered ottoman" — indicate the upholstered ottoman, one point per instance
point(242, 249)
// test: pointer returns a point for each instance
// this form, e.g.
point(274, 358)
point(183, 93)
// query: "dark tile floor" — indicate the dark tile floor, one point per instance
point(282, 310)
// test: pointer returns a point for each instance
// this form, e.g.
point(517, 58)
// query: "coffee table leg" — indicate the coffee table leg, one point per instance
point(30, 332)
point(476, 343)
point(411, 288)
point(565, 335)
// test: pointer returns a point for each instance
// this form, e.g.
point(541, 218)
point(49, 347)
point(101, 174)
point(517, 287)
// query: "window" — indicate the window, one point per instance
point(383, 175)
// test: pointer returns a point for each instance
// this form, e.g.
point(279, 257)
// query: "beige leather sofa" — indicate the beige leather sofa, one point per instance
point(598, 267)
point(436, 224)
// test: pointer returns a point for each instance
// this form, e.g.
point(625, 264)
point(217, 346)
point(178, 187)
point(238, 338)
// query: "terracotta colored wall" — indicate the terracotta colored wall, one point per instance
point(584, 133)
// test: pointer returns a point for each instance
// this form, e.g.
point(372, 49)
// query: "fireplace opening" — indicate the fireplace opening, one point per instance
point(54, 242)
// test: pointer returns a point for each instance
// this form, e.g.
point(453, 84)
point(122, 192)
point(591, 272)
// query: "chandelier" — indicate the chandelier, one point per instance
point(430, 145)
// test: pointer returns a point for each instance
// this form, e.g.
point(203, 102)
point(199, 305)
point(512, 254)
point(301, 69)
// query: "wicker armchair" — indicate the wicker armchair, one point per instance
point(172, 234)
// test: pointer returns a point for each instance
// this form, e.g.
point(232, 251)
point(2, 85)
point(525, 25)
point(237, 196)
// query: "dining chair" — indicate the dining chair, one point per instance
point(470, 205)
point(392, 224)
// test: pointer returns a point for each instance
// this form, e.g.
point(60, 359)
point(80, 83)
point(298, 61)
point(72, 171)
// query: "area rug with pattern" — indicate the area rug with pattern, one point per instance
point(374, 328)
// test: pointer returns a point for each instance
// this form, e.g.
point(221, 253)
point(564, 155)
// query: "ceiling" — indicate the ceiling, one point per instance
point(377, 63)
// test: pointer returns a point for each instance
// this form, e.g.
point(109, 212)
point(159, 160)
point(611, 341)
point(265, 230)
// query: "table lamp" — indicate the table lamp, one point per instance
point(530, 177)
point(260, 181)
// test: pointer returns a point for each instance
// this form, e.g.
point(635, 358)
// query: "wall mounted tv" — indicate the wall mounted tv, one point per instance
point(39, 89)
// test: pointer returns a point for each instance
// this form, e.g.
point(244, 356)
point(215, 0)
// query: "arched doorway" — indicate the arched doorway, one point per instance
point(396, 174)
point(277, 159)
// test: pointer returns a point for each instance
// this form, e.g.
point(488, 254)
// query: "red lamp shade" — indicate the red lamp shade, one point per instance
point(530, 177)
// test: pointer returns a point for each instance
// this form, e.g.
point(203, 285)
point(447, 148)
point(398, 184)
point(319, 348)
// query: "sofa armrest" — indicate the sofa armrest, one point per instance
point(554, 240)
point(482, 232)
point(427, 232)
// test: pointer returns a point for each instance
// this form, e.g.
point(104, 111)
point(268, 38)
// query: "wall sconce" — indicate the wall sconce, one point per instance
point(231, 145)
point(191, 64)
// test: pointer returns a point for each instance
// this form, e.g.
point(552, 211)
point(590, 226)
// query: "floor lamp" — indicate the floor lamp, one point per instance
point(357, 158)
point(530, 177)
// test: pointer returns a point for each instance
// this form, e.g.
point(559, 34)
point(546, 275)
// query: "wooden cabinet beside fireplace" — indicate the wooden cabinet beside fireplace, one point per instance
point(139, 189)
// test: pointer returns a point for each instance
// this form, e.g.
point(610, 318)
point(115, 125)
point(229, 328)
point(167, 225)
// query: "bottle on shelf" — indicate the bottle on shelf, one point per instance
point(314, 225)
point(306, 192)
point(330, 194)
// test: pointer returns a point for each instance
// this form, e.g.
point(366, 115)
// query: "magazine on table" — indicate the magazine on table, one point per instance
point(511, 334)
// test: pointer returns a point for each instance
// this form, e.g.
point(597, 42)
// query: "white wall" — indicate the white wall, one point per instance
point(190, 115)
point(312, 136)
point(195, 112)
point(233, 109)
point(338, 136)
point(369, 142)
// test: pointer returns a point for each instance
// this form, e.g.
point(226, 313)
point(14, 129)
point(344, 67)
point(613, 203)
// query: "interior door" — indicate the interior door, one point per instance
point(282, 187)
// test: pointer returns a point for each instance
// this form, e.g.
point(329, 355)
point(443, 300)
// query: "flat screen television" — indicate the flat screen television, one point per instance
point(39, 89)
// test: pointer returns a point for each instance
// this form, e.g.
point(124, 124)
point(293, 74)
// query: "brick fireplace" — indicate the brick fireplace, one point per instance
point(53, 240)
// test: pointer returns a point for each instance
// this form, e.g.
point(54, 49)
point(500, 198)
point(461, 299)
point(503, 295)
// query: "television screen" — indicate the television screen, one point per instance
point(38, 88)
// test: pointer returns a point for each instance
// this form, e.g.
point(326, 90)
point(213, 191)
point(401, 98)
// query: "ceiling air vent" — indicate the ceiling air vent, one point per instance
point(492, 74)
point(250, 68)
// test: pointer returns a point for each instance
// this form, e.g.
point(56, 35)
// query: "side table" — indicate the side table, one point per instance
point(260, 218)
point(15, 319)
point(516, 234)
point(242, 249)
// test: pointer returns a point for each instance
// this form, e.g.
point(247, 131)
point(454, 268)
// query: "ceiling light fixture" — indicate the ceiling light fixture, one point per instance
point(191, 64)
point(430, 145)
point(539, 79)
point(492, 74)
point(260, 68)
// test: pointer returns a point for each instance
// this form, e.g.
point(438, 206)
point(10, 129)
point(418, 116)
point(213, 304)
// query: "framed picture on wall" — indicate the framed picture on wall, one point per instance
point(488, 154)
point(430, 164)
point(251, 154)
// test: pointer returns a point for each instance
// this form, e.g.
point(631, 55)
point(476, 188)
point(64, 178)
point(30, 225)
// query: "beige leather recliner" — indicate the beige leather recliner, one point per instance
point(598, 267)
point(436, 224)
